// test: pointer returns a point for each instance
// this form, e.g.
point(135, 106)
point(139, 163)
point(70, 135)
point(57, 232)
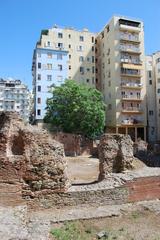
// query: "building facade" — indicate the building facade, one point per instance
point(14, 96)
point(153, 96)
point(61, 53)
point(120, 76)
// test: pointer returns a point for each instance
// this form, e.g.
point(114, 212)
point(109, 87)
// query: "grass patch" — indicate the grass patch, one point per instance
point(72, 231)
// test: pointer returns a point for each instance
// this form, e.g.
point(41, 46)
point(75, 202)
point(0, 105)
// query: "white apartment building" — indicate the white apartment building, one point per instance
point(120, 76)
point(14, 96)
point(61, 53)
point(153, 96)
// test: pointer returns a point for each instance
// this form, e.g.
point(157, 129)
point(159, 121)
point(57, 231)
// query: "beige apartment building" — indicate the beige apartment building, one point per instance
point(120, 75)
point(112, 60)
point(80, 46)
point(153, 96)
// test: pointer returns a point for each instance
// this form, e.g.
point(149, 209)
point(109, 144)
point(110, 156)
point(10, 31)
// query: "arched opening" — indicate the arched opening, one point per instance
point(17, 145)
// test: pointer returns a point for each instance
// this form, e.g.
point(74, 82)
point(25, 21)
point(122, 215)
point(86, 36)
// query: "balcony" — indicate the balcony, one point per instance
point(132, 110)
point(130, 60)
point(131, 98)
point(131, 85)
point(129, 25)
point(131, 122)
point(130, 73)
point(129, 38)
point(130, 49)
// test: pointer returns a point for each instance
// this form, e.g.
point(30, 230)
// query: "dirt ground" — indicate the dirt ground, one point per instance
point(83, 169)
point(136, 225)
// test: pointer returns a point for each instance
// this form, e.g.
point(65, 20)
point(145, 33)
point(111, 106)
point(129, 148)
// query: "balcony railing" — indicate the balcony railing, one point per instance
point(131, 121)
point(132, 108)
point(125, 71)
point(131, 61)
point(129, 48)
point(129, 37)
point(131, 97)
point(132, 85)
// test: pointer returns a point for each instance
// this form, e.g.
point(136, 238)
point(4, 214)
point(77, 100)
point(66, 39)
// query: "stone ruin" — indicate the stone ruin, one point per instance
point(115, 154)
point(30, 158)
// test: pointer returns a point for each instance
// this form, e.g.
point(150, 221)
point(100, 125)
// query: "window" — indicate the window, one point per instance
point(159, 101)
point(69, 56)
point(88, 59)
point(158, 60)
point(81, 69)
point(49, 66)
point(60, 67)
point(92, 69)
point(39, 55)
point(39, 88)
point(39, 65)
point(149, 74)
point(49, 77)
point(158, 90)
point(80, 48)
point(69, 35)
point(87, 80)
point(69, 67)
point(108, 51)
point(39, 76)
point(107, 28)
point(81, 38)
point(109, 74)
point(109, 106)
point(38, 112)
point(92, 48)
point(92, 39)
point(88, 69)
point(81, 58)
point(60, 79)
point(109, 83)
point(48, 44)
point(69, 45)
point(39, 100)
point(59, 56)
point(109, 61)
point(49, 55)
point(92, 80)
point(158, 80)
point(158, 70)
point(92, 59)
point(151, 112)
point(60, 35)
point(150, 82)
point(60, 45)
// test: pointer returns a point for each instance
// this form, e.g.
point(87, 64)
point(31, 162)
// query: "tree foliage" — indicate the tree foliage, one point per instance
point(76, 108)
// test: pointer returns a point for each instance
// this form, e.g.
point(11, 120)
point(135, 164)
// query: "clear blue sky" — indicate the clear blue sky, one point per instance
point(21, 22)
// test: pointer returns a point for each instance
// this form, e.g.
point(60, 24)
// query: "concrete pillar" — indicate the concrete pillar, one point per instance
point(144, 133)
point(135, 134)
point(126, 130)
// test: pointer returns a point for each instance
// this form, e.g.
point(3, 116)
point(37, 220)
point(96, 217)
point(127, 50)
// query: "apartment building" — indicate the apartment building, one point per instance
point(61, 53)
point(14, 96)
point(153, 96)
point(120, 76)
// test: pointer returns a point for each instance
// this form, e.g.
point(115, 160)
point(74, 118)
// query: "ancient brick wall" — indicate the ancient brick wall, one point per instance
point(75, 145)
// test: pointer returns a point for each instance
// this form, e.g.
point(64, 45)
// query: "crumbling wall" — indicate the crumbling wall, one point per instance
point(30, 157)
point(75, 145)
point(115, 154)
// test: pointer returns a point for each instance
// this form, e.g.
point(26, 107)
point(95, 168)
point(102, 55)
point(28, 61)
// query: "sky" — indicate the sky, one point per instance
point(21, 22)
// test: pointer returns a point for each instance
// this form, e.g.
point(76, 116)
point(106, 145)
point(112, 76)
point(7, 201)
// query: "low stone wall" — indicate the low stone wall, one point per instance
point(117, 189)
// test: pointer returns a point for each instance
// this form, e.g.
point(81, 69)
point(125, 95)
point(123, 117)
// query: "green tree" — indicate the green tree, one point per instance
point(76, 108)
